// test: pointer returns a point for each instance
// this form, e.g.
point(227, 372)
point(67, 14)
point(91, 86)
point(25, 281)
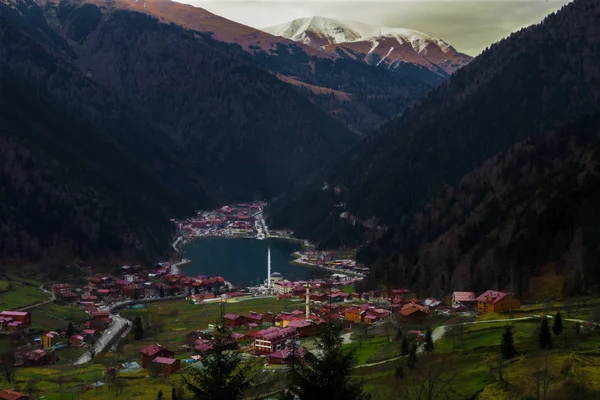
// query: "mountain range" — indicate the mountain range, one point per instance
point(488, 182)
point(348, 89)
point(116, 116)
point(392, 48)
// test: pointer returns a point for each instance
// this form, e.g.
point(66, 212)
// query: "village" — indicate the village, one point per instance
point(266, 334)
point(243, 220)
point(158, 321)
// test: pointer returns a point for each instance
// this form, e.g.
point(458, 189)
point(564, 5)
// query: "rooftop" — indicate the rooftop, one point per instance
point(164, 360)
point(492, 297)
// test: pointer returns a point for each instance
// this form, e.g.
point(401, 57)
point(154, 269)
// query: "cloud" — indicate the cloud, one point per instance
point(470, 26)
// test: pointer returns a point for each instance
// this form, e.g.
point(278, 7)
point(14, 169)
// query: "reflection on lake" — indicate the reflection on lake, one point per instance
point(244, 262)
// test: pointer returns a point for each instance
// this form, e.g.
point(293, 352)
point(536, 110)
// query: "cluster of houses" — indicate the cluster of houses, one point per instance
point(491, 301)
point(330, 259)
point(136, 283)
point(227, 221)
point(11, 321)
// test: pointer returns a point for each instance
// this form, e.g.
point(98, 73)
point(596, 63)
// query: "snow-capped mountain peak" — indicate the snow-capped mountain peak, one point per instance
point(378, 44)
point(320, 31)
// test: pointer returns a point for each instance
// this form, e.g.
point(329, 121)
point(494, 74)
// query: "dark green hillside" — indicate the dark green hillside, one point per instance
point(110, 126)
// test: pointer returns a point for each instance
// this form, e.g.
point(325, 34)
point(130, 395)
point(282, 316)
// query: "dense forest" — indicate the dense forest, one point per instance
point(526, 87)
point(110, 126)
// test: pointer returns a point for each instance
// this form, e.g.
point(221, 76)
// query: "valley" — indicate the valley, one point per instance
point(193, 208)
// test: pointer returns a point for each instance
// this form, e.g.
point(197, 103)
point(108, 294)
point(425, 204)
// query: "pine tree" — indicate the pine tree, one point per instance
point(412, 357)
point(70, 330)
point(545, 337)
point(507, 345)
point(326, 375)
point(160, 395)
point(224, 376)
point(428, 341)
point(557, 325)
point(404, 347)
point(138, 329)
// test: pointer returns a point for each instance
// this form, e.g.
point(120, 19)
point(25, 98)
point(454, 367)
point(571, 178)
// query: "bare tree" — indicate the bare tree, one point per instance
point(541, 377)
point(32, 388)
point(431, 380)
point(568, 306)
point(362, 331)
point(118, 385)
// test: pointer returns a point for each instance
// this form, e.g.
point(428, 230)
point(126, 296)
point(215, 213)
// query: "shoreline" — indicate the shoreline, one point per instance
point(298, 261)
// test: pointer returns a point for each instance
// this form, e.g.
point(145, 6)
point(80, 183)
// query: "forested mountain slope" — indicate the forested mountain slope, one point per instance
point(113, 122)
point(536, 82)
point(359, 95)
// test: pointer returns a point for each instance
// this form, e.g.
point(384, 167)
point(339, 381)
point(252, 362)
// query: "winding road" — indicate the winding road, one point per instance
point(52, 298)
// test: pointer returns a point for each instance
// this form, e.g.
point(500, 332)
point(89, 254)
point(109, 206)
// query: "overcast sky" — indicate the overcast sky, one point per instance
point(469, 26)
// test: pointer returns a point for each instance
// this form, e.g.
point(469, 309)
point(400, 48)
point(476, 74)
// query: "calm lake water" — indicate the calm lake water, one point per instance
point(243, 262)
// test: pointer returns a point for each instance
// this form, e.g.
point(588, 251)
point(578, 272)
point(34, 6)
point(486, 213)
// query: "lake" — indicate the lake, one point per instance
point(243, 262)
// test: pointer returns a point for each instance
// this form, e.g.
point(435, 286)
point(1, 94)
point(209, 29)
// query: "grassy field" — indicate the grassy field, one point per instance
point(469, 368)
point(56, 317)
point(23, 293)
point(178, 318)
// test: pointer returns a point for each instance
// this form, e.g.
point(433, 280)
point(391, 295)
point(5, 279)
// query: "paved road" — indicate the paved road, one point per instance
point(116, 326)
point(52, 298)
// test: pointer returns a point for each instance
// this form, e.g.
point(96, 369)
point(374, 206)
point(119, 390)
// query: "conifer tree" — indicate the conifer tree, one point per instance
point(327, 374)
point(70, 330)
point(160, 395)
point(138, 329)
point(224, 377)
point(412, 357)
point(545, 337)
point(404, 348)
point(428, 341)
point(507, 345)
point(557, 325)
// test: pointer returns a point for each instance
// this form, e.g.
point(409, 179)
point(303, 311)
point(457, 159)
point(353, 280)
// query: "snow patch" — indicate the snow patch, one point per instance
point(386, 56)
point(375, 44)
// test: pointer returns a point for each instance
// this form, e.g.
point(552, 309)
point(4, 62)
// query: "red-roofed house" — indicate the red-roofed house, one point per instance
point(273, 339)
point(234, 320)
point(149, 353)
point(168, 365)
point(465, 299)
point(76, 340)
point(254, 317)
point(370, 318)
point(23, 317)
point(305, 328)
point(494, 301)
point(61, 288)
point(285, 356)
point(354, 314)
point(203, 347)
point(49, 339)
point(413, 314)
point(12, 395)
point(238, 337)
